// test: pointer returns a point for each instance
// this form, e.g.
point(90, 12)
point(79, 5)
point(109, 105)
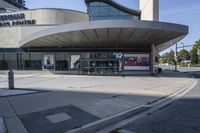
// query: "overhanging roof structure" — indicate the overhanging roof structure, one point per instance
point(108, 34)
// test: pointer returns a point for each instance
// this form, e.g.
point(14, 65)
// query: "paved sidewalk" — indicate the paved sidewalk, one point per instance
point(73, 101)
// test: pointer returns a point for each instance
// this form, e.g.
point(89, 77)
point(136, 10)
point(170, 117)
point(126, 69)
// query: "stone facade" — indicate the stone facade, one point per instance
point(45, 18)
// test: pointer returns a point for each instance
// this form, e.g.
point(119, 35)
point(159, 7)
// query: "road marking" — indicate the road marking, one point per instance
point(155, 106)
point(2, 126)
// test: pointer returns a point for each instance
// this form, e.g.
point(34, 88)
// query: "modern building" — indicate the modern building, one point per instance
point(11, 5)
point(109, 39)
point(17, 3)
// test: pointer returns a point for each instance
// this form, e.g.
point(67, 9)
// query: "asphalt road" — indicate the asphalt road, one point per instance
point(183, 116)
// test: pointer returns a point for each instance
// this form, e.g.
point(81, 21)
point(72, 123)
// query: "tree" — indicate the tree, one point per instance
point(163, 60)
point(194, 56)
point(197, 44)
point(168, 58)
point(183, 55)
point(171, 57)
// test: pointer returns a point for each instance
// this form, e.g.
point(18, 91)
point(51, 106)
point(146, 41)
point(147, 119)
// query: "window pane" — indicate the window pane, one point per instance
point(102, 11)
point(94, 4)
point(114, 11)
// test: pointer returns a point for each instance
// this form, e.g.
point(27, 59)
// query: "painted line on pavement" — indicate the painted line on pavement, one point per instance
point(103, 123)
point(2, 126)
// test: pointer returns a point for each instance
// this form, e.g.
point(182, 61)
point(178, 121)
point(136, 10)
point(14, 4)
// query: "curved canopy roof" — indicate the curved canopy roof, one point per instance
point(108, 34)
point(118, 6)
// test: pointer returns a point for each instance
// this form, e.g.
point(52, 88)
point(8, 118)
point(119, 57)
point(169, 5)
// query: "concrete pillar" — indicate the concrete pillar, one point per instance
point(81, 64)
point(153, 59)
point(149, 10)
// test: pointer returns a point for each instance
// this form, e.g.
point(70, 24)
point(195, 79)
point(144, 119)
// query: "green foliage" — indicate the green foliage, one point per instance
point(163, 60)
point(194, 56)
point(197, 44)
point(168, 58)
point(183, 55)
point(196, 65)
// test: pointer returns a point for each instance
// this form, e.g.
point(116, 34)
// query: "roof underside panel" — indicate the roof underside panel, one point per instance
point(106, 34)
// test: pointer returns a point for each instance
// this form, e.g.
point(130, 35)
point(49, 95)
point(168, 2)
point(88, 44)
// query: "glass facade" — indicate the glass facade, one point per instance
point(102, 11)
point(92, 63)
point(62, 62)
point(21, 2)
point(18, 3)
point(102, 63)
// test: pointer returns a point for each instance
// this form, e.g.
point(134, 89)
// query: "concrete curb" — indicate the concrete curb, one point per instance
point(2, 126)
point(103, 123)
point(175, 95)
point(153, 107)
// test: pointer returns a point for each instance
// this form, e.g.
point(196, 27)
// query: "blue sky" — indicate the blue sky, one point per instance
point(185, 12)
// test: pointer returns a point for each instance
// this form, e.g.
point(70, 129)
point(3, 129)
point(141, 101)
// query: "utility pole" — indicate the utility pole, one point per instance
point(183, 46)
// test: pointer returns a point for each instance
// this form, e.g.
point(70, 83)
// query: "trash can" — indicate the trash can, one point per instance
point(159, 70)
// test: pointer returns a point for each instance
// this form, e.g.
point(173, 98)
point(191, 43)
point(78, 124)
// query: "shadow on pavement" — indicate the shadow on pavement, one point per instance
point(72, 109)
point(67, 109)
point(179, 117)
point(60, 111)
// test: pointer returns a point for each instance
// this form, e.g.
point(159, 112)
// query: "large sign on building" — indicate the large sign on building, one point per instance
point(15, 19)
point(136, 62)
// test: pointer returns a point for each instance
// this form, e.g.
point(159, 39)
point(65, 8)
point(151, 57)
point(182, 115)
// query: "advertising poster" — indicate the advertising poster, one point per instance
point(75, 59)
point(49, 61)
point(136, 62)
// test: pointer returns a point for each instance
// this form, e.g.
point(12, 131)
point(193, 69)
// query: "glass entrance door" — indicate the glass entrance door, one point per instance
point(88, 67)
point(110, 67)
point(101, 64)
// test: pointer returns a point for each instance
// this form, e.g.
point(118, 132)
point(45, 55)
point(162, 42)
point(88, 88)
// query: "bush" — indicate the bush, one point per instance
point(196, 65)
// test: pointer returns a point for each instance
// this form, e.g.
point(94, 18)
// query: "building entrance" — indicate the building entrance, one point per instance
point(102, 63)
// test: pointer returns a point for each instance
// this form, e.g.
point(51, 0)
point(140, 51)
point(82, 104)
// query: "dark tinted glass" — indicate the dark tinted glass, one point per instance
point(103, 11)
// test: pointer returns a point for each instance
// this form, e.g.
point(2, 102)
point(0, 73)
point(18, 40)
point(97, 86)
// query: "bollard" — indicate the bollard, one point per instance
point(11, 79)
